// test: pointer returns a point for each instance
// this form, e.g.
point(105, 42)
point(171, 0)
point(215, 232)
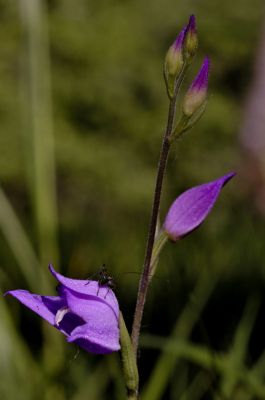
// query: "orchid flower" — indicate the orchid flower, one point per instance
point(86, 312)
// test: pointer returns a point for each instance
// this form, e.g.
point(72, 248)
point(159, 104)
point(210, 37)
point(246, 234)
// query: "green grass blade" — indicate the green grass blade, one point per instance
point(239, 349)
point(39, 140)
point(19, 243)
point(197, 387)
point(166, 362)
point(206, 359)
point(17, 364)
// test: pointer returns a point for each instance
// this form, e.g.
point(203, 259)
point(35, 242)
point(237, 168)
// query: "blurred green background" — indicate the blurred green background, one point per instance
point(82, 112)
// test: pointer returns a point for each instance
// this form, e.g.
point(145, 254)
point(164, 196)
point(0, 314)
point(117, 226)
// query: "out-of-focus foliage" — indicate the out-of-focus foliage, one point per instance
point(109, 108)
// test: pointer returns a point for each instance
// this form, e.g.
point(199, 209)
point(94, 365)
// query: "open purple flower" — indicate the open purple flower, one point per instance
point(85, 312)
point(191, 208)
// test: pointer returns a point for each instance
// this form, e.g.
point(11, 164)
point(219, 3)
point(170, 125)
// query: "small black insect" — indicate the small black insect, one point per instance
point(104, 280)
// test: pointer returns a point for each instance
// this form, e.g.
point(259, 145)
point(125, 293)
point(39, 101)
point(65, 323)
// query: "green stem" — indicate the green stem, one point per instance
point(158, 246)
point(129, 366)
point(145, 277)
point(132, 397)
point(144, 281)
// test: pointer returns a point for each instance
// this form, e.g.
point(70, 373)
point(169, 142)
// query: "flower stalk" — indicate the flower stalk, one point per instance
point(145, 277)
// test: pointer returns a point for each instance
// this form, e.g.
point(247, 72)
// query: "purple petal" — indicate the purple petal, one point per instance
point(89, 288)
point(95, 337)
point(179, 40)
point(101, 332)
point(200, 83)
point(191, 208)
point(88, 307)
point(70, 322)
point(45, 306)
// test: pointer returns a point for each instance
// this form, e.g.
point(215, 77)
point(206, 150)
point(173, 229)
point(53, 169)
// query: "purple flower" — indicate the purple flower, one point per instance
point(183, 49)
point(191, 208)
point(85, 312)
point(197, 93)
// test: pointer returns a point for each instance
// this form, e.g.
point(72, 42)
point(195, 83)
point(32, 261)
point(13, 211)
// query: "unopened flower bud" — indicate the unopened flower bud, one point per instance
point(174, 63)
point(191, 39)
point(197, 93)
point(192, 207)
point(174, 57)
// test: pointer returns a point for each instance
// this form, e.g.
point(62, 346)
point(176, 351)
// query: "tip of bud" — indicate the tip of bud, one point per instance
point(197, 93)
point(178, 44)
point(201, 80)
point(191, 39)
point(192, 24)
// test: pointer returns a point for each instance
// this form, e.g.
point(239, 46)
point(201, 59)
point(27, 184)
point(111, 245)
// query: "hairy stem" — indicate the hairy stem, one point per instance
point(145, 277)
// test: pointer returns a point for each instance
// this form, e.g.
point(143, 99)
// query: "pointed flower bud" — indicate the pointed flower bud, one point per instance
point(197, 93)
point(174, 57)
point(191, 208)
point(191, 39)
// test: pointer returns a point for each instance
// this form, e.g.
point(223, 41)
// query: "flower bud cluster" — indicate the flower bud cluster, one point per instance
point(180, 52)
point(180, 56)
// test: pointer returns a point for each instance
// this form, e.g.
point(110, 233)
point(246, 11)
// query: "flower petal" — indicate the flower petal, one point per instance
point(88, 307)
point(89, 288)
point(191, 208)
point(100, 334)
point(69, 322)
point(96, 337)
point(47, 308)
point(200, 83)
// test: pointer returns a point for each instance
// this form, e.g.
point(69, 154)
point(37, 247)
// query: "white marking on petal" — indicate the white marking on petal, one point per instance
point(60, 314)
